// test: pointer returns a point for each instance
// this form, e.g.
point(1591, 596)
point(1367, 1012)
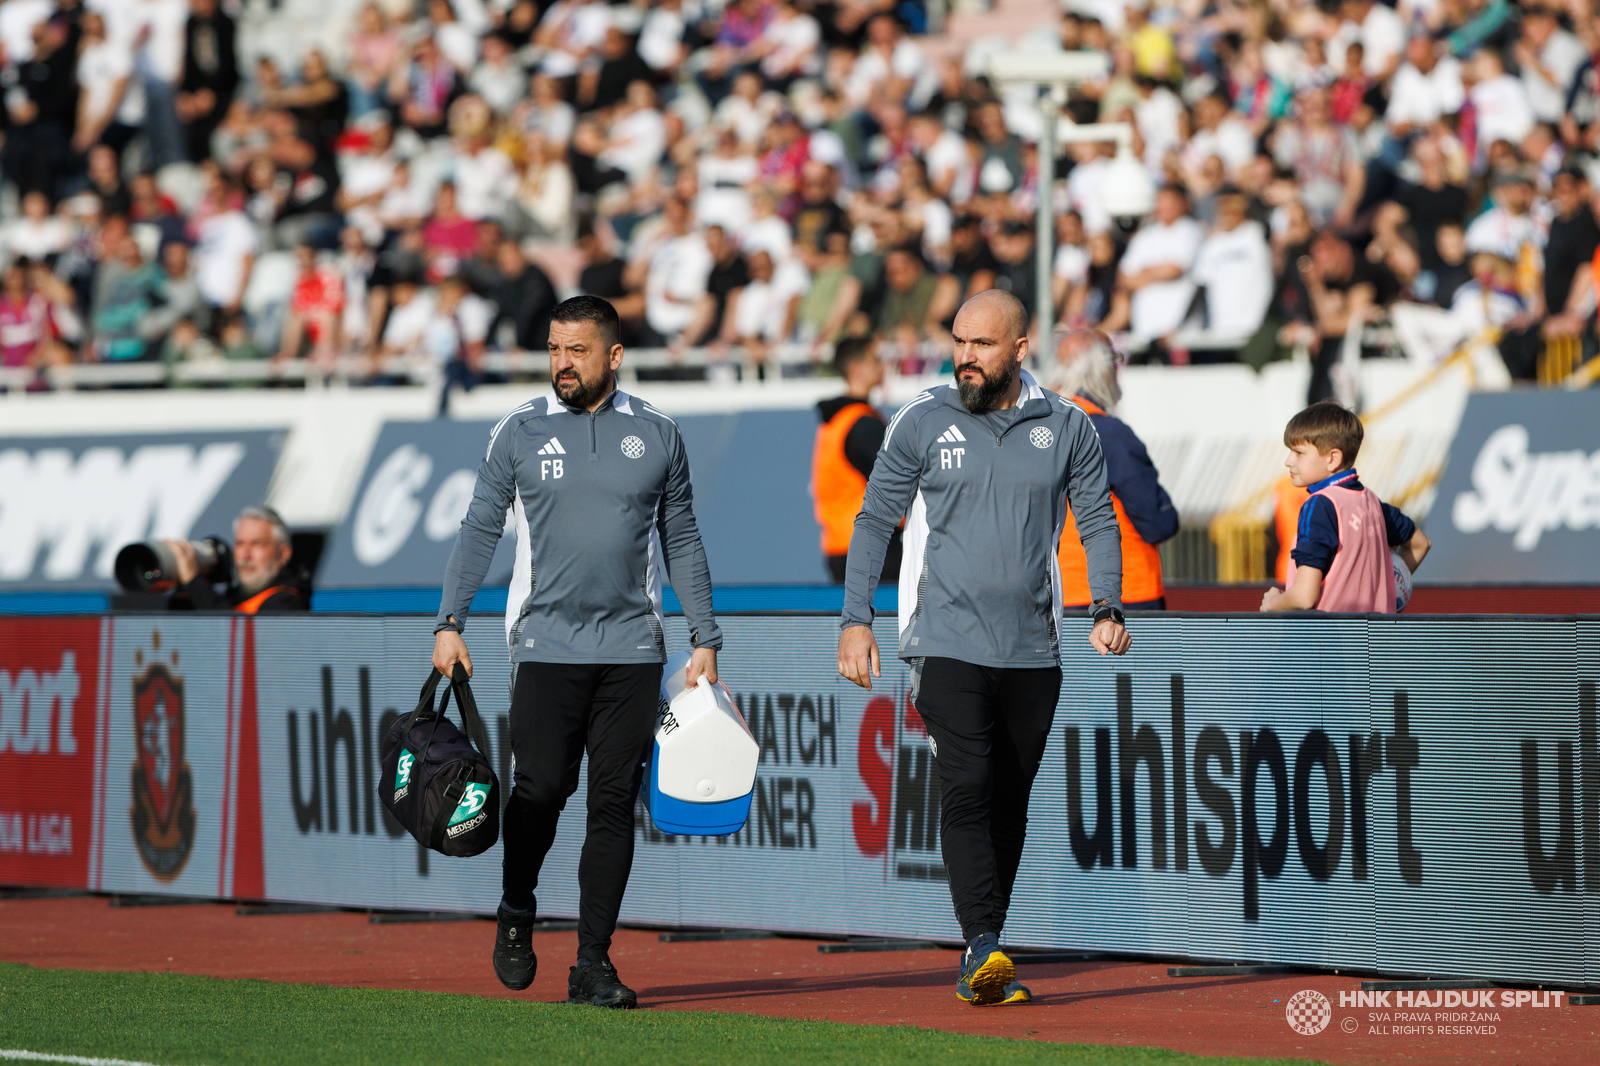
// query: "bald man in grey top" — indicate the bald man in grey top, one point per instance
point(983, 470)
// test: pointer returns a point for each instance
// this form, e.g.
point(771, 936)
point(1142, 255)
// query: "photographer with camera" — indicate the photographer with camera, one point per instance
point(261, 581)
point(258, 575)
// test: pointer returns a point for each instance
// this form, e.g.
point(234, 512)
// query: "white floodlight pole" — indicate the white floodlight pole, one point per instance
point(1045, 223)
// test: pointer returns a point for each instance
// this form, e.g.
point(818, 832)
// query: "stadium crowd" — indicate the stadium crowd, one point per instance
point(758, 173)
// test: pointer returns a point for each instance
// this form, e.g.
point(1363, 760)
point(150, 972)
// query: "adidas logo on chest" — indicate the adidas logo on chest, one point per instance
point(552, 447)
point(952, 436)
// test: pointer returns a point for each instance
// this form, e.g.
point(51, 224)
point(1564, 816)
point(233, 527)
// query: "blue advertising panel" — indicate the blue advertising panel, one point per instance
point(751, 473)
point(1520, 499)
point(69, 504)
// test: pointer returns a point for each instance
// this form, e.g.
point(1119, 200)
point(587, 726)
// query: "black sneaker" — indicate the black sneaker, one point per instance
point(514, 961)
point(596, 984)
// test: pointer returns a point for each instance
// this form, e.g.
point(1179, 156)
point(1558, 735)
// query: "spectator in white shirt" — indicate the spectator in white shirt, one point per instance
point(1382, 34)
point(1504, 111)
point(762, 311)
point(1160, 117)
point(1510, 229)
point(677, 272)
point(660, 41)
point(159, 25)
point(17, 21)
point(1221, 132)
point(225, 252)
point(1549, 57)
point(1154, 270)
point(484, 176)
point(1427, 88)
point(944, 151)
point(638, 135)
point(366, 178)
point(110, 98)
point(767, 231)
point(37, 234)
point(498, 78)
point(1234, 265)
point(894, 65)
point(571, 32)
point(547, 112)
point(789, 46)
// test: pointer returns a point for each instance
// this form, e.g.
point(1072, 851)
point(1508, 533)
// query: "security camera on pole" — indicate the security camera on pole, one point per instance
point(1126, 191)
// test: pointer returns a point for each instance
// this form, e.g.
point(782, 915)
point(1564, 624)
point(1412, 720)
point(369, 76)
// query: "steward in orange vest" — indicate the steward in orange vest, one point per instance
point(1145, 515)
point(846, 447)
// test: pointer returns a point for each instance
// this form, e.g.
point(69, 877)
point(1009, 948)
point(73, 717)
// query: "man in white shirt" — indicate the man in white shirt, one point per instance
point(893, 62)
point(1381, 32)
point(571, 30)
point(17, 20)
point(367, 177)
point(943, 151)
point(156, 30)
point(1159, 116)
point(1221, 132)
point(1234, 264)
point(1155, 267)
point(1425, 89)
point(1549, 57)
point(679, 267)
point(1511, 228)
point(224, 256)
point(1504, 112)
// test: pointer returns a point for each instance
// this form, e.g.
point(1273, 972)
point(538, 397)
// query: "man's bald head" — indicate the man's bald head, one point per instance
point(991, 340)
point(1013, 316)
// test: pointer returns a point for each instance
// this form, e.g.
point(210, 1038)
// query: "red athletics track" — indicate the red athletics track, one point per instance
point(1095, 1003)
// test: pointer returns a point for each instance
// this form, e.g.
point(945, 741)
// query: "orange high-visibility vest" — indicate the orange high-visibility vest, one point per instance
point(1286, 503)
point(253, 604)
point(837, 488)
point(1141, 562)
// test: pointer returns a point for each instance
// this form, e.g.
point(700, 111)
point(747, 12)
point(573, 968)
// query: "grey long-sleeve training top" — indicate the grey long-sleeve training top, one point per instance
point(599, 501)
point(984, 508)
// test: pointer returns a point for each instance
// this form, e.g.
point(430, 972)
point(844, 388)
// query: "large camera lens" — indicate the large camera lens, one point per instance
point(147, 567)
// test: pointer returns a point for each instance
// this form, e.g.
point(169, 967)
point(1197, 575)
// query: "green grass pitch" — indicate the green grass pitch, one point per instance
point(176, 1020)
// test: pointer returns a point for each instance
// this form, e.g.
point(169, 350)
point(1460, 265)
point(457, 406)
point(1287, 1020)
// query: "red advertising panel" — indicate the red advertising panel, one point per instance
point(49, 702)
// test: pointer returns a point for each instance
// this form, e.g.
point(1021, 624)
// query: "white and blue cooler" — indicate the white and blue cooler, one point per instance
point(703, 763)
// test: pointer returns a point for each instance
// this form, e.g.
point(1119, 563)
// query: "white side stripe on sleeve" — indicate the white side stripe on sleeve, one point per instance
point(895, 421)
point(495, 432)
point(655, 412)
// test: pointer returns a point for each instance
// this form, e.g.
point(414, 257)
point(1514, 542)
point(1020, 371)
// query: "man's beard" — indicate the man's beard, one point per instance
point(981, 398)
point(249, 586)
point(575, 392)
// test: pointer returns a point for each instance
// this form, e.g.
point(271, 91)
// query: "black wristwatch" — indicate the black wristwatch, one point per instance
point(1103, 611)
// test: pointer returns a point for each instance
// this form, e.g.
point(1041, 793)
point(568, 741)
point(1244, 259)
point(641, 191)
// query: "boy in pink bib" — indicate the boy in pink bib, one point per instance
point(1340, 558)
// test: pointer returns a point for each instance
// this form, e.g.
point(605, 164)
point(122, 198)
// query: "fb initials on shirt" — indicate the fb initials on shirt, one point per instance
point(949, 457)
point(550, 468)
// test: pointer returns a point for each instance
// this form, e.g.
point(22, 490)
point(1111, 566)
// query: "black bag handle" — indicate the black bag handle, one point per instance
point(469, 711)
point(464, 701)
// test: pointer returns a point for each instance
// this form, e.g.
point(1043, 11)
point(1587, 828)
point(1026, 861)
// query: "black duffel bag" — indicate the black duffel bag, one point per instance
point(437, 780)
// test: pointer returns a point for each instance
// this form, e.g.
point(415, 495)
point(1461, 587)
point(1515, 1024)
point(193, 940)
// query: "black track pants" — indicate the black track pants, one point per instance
point(557, 711)
point(989, 728)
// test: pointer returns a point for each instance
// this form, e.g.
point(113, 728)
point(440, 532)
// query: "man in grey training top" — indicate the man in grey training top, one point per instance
point(597, 484)
point(983, 470)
